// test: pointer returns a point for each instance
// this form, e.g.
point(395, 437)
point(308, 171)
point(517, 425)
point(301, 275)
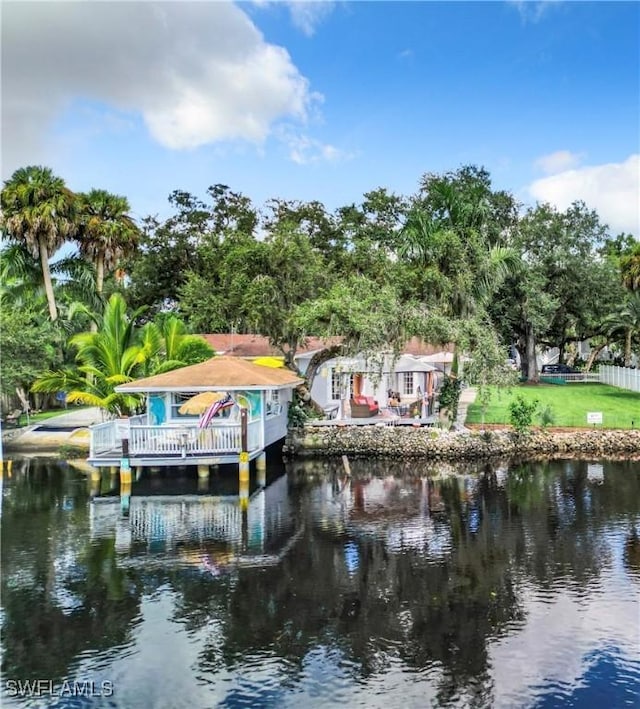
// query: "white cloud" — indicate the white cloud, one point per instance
point(532, 10)
point(306, 15)
point(304, 150)
point(197, 73)
point(558, 162)
point(612, 190)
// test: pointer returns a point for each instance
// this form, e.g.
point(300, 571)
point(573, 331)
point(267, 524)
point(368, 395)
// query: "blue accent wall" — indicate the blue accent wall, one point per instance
point(157, 409)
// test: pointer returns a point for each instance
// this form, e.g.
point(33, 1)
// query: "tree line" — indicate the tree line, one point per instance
point(457, 262)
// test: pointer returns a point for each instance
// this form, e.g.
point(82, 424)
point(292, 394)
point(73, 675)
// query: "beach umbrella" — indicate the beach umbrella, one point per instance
point(199, 403)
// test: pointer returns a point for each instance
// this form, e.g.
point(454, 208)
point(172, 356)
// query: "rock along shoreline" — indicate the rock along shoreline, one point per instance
point(437, 444)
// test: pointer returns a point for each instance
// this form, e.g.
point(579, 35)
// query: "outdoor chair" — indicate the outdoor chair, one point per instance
point(13, 419)
point(363, 407)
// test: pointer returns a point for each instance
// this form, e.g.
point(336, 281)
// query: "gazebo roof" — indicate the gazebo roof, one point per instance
point(216, 373)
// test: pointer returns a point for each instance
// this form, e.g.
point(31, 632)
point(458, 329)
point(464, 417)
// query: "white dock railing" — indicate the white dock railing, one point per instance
point(103, 438)
point(173, 440)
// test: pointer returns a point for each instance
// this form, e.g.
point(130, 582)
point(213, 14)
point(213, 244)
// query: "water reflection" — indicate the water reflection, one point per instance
point(396, 586)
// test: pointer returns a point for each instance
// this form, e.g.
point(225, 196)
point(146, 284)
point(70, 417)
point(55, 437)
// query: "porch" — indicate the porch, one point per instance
point(172, 444)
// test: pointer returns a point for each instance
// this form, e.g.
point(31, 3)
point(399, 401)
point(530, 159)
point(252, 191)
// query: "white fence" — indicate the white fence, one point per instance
point(622, 377)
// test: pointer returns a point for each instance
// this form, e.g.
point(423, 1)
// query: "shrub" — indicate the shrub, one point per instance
point(521, 414)
point(450, 396)
point(547, 416)
point(71, 452)
point(486, 436)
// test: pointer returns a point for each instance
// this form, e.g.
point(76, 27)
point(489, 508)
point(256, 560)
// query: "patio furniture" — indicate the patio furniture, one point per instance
point(364, 407)
point(13, 419)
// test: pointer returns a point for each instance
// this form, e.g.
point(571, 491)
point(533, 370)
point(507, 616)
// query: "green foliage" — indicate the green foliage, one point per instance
point(120, 352)
point(450, 396)
point(38, 211)
point(72, 452)
point(547, 416)
point(297, 414)
point(521, 414)
point(27, 344)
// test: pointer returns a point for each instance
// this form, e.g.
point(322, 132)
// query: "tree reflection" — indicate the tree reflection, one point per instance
point(61, 594)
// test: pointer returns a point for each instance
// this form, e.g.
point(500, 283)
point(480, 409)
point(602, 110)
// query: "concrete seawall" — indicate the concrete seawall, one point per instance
point(375, 441)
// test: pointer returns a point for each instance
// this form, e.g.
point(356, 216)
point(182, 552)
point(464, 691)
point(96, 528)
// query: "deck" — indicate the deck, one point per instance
point(171, 444)
point(382, 419)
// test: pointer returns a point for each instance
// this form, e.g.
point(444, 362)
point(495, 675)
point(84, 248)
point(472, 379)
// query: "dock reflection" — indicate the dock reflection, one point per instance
point(215, 533)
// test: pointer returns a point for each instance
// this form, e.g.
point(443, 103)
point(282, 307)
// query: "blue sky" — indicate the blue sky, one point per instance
point(326, 100)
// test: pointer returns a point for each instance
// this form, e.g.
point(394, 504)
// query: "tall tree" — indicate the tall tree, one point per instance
point(630, 268)
point(624, 324)
point(294, 273)
point(38, 210)
point(564, 287)
point(107, 231)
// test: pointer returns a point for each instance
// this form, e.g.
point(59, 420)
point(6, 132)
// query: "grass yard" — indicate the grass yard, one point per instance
point(44, 415)
point(569, 403)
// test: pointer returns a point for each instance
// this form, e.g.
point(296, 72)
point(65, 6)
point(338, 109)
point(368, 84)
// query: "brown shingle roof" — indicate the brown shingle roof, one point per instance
point(258, 346)
point(215, 373)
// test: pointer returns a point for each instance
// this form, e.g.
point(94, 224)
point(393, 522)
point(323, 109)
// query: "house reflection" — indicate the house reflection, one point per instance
point(405, 513)
point(213, 534)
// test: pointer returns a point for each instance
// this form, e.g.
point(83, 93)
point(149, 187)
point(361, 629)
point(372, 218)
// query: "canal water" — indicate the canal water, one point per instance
point(399, 586)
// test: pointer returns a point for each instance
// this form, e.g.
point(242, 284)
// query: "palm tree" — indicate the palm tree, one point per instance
point(167, 345)
point(21, 277)
point(38, 211)
point(118, 353)
point(107, 358)
point(625, 324)
point(107, 232)
point(630, 268)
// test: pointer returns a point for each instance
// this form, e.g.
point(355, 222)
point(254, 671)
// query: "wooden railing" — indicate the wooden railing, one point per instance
point(171, 440)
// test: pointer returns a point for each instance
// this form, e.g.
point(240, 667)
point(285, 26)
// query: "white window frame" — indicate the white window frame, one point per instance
point(177, 399)
point(272, 403)
point(408, 383)
point(335, 384)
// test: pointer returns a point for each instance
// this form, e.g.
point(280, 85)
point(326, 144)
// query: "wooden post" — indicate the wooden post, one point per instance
point(125, 467)
point(95, 483)
point(125, 497)
point(261, 469)
point(244, 437)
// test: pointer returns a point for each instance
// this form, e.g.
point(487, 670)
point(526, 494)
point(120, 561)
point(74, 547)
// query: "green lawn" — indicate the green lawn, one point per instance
point(44, 415)
point(570, 403)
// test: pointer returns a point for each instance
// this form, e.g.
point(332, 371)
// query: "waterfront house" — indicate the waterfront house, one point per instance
point(416, 371)
point(169, 431)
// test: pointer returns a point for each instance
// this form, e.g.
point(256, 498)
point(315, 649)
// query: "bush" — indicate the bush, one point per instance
point(71, 452)
point(547, 416)
point(521, 414)
point(486, 436)
point(297, 415)
point(450, 396)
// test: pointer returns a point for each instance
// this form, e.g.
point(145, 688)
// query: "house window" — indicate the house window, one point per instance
point(339, 380)
point(177, 400)
point(273, 406)
point(407, 383)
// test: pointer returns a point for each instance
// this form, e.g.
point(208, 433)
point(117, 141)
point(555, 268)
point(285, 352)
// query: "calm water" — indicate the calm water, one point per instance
point(395, 588)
